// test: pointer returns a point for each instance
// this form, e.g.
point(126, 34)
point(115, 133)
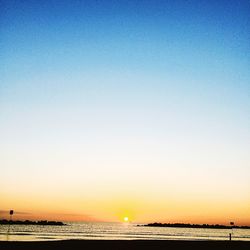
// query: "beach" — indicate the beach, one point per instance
point(125, 244)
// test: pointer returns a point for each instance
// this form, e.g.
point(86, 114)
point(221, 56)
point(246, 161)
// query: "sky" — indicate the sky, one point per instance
point(125, 108)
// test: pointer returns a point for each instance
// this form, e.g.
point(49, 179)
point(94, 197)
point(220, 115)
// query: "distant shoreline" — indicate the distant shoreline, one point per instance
point(183, 225)
point(28, 222)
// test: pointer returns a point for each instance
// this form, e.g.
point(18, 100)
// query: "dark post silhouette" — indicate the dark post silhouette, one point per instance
point(230, 235)
point(11, 213)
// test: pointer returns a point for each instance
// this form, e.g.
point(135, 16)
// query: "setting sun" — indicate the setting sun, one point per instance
point(125, 219)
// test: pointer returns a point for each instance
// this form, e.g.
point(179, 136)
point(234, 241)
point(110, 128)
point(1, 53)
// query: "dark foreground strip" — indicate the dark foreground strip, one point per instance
point(125, 244)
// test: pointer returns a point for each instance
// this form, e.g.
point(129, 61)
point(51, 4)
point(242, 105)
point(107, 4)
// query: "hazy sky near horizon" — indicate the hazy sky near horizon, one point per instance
point(126, 108)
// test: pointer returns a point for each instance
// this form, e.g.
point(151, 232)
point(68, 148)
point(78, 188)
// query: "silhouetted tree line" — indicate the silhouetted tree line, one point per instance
point(216, 226)
point(28, 222)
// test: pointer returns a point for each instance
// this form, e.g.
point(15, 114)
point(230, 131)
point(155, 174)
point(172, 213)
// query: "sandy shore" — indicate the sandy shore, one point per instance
point(121, 244)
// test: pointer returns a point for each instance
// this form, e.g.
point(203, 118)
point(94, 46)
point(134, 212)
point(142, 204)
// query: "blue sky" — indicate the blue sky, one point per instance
point(147, 86)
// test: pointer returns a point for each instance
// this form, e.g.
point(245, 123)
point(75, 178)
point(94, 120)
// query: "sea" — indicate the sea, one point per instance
point(115, 231)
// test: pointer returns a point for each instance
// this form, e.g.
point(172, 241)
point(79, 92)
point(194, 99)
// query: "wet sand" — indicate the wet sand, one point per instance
point(125, 244)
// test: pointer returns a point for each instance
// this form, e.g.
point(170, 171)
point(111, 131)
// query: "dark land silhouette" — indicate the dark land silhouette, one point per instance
point(216, 226)
point(28, 222)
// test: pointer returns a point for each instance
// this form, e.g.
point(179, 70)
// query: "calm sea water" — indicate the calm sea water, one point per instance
point(117, 231)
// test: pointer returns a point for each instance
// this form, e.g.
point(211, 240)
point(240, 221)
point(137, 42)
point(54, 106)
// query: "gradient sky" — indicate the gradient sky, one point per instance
point(125, 108)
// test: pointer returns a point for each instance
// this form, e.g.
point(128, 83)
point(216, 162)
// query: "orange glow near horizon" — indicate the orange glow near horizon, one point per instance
point(129, 210)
